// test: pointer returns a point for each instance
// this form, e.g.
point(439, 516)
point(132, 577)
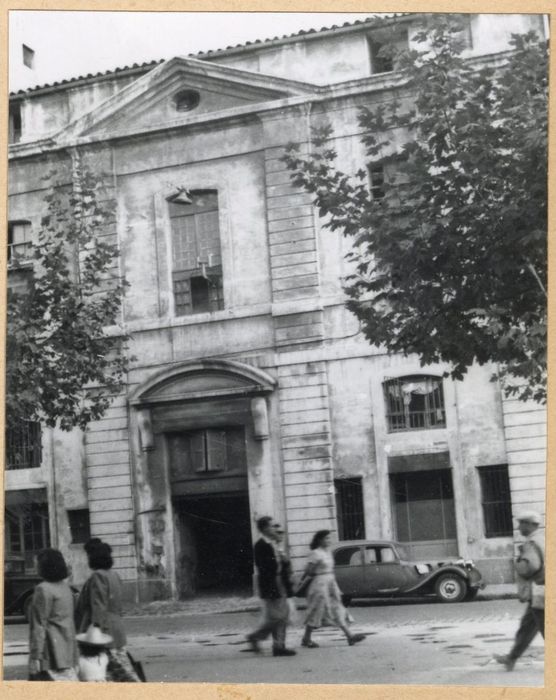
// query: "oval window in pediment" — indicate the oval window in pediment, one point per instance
point(186, 100)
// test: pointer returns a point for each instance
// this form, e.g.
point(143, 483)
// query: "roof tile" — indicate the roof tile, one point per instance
point(210, 52)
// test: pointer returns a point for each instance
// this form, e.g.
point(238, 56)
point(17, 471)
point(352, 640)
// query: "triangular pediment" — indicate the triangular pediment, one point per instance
point(181, 91)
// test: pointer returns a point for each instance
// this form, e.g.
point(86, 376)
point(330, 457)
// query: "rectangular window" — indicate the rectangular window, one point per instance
point(27, 530)
point(20, 280)
point(463, 33)
point(384, 45)
point(376, 181)
point(349, 508)
point(414, 403)
point(496, 500)
point(203, 452)
point(20, 247)
point(196, 256)
point(23, 446)
point(79, 524)
point(14, 126)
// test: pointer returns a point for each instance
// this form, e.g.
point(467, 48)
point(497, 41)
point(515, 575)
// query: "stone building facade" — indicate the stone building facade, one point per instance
point(252, 391)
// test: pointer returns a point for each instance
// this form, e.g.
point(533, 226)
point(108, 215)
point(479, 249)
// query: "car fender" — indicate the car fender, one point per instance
point(430, 578)
point(19, 602)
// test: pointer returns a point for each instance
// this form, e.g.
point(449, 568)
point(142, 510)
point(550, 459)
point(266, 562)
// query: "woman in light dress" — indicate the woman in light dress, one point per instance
point(324, 598)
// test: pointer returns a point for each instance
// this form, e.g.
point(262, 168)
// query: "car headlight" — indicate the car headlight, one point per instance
point(422, 568)
point(465, 563)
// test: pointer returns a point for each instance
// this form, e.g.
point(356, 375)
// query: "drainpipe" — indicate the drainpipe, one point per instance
point(53, 491)
point(459, 478)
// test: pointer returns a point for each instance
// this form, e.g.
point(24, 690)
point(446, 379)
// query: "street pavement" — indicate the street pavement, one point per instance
point(407, 643)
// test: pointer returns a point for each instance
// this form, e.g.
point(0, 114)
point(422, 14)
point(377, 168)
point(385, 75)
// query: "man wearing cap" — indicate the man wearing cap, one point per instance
point(274, 589)
point(529, 567)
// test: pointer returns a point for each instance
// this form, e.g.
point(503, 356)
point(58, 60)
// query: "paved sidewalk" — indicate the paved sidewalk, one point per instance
point(498, 591)
point(211, 604)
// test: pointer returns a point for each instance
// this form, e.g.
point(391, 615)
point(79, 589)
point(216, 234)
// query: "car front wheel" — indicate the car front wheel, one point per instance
point(450, 588)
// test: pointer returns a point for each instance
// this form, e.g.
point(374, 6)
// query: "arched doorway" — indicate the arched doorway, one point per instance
point(205, 473)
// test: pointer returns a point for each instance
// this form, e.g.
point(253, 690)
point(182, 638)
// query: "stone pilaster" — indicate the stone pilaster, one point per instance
point(109, 486)
point(306, 454)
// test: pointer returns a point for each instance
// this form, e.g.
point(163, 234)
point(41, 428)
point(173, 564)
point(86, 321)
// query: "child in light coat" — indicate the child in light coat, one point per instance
point(93, 655)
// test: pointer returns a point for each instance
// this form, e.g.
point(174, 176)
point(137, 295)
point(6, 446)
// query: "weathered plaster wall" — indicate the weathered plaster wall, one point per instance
point(145, 232)
point(334, 59)
point(45, 114)
point(491, 33)
point(68, 490)
point(352, 406)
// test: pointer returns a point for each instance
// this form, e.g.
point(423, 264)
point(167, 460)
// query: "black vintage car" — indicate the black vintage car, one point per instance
point(18, 586)
point(376, 569)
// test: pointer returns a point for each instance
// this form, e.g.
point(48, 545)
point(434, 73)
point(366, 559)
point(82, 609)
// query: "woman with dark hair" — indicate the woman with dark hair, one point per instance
point(52, 646)
point(91, 544)
point(324, 598)
point(100, 604)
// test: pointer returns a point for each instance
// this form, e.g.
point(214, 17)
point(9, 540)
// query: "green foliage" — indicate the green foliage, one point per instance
point(451, 263)
point(62, 367)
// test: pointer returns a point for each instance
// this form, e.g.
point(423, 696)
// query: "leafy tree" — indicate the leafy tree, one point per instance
point(449, 252)
point(62, 367)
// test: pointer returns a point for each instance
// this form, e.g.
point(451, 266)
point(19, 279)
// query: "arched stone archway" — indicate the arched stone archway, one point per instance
point(203, 468)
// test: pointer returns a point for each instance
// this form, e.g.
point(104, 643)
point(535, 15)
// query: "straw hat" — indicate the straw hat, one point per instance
point(529, 516)
point(94, 637)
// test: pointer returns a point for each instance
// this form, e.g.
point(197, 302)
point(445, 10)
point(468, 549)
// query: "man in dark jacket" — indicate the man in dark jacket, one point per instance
point(275, 587)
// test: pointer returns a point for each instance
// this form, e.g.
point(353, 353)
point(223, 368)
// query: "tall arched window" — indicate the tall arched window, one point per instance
point(415, 402)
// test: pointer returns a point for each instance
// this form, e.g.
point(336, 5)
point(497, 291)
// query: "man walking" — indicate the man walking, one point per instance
point(275, 588)
point(529, 567)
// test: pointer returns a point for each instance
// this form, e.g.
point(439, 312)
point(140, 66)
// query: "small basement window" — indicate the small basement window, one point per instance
point(80, 526)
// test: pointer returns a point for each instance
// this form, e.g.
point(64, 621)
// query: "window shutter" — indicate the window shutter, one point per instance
point(216, 450)
point(198, 456)
point(182, 292)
